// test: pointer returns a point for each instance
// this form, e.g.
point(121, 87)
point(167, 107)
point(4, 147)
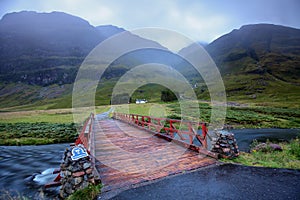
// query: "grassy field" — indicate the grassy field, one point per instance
point(39, 126)
point(289, 157)
point(16, 124)
point(37, 133)
point(249, 116)
point(50, 116)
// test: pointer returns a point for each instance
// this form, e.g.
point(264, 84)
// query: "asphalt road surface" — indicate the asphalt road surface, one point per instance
point(222, 182)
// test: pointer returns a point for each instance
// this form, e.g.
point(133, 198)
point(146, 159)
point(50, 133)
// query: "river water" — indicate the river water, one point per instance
point(25, 169)
point(245, 137)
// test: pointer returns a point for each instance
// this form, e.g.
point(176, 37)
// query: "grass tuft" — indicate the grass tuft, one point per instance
point(288, 158)
point(88, 193)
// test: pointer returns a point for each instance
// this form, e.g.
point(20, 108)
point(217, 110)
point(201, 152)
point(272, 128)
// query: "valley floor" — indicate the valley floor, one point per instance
point(22, 127)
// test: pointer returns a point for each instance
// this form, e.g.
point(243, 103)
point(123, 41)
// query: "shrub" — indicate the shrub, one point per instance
point(295, 147)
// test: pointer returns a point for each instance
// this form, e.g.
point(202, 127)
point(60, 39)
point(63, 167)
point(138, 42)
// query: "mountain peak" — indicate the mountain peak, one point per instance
point(259, 48)
point(32, 18)
point(109, 30)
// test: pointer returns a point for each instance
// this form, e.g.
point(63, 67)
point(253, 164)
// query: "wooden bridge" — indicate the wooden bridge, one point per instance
point(132, 149)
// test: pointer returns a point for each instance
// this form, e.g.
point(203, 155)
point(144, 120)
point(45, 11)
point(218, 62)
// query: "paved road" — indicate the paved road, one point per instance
point(222, 182)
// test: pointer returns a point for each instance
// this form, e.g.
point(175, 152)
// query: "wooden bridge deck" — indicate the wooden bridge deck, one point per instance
point(127, 155)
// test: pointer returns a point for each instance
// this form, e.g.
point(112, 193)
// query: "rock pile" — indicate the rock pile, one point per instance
point(267, 147)
point(76, 174)
point(225, 145)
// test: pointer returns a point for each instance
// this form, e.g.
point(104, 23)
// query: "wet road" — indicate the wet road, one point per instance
point(222, 182)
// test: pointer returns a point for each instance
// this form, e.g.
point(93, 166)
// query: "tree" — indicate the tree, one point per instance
point(167, 96)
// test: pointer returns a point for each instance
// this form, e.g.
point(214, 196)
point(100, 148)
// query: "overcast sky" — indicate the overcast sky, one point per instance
point(201, 20)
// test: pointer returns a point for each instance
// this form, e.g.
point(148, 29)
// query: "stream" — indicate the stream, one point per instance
point(245, 137)
point(25, 169)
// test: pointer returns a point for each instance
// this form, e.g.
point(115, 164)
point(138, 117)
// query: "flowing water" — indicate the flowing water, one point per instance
point(25, 169)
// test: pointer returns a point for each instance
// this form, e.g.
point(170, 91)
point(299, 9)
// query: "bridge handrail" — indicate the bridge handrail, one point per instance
point(84, 136)
point(168, 127)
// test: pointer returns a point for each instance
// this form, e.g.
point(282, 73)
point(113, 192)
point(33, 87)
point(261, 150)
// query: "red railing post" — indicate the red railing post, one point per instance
point(204, 133)
point(149, 122)
point(171, 130)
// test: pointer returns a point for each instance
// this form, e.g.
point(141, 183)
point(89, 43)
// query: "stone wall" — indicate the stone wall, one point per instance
point(225, 145)
point(76, 174)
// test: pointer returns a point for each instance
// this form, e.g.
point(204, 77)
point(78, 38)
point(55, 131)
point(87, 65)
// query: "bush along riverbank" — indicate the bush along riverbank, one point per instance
point(37, 133)
point(280, 155)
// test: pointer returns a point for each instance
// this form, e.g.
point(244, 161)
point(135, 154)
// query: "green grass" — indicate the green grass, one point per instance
point(148, 109)
point(36, 116)
point(88, 193)
point(288, 158)
point(39, 127)
point(263, 117)
point(50, 116)
point(36, 133)
point(261, 89)
point(245, 116)
point(250, 116)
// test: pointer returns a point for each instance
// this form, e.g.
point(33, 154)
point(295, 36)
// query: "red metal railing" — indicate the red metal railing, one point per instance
point(186, 130)
point(84, 136)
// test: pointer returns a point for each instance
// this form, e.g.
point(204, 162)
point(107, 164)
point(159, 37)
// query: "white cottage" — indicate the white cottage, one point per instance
point(138, 101)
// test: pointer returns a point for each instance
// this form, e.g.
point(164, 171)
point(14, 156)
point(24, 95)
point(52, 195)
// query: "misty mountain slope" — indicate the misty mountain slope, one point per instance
point(259, 49)
point(40, 54)
point(44, 51)
point(47, 48)
point(44, 48)
point(260, 62)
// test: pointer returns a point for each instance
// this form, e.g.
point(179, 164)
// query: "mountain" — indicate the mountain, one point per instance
point(47, 48)
point(40, 54)
point(259, 61)
point(109, 30)
point(259, 49)
point(43, 48)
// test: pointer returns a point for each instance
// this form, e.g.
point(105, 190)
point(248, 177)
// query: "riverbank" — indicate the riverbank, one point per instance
point(288, 158)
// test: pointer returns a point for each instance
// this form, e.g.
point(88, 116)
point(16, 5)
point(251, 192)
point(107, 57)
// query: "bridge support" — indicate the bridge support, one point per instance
point(76, 174)
point(225, 145)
